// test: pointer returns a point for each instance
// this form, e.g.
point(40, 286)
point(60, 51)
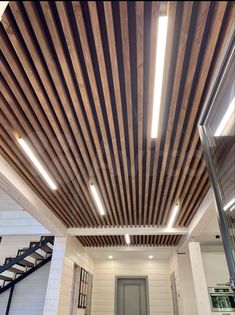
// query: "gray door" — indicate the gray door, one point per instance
point(131, 296)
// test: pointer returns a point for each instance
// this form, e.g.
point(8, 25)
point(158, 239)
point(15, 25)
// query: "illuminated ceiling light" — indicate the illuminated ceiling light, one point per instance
point(150, 257)
point(97, 200)
point(159, 69)
point(127, 239)
point(110, 257)
point(229, 112)
point(173, 216)
point(229, 204)
point(36, 163)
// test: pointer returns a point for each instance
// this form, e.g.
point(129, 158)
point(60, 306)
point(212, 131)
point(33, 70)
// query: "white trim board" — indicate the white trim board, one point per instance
point(126, 230)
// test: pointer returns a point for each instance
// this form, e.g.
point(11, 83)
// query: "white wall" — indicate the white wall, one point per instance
point(158, 272)
point(180, 265)
point(216, 272)
point(29, 294)
point(19, 223)
point(174, 268)
point(67, 252)
point(216, 269)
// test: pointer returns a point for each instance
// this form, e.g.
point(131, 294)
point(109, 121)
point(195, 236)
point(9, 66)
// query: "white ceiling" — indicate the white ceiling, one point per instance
point(129, 253)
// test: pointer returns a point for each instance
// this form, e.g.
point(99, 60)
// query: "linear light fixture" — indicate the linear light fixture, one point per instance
point(229, 112)
point(97, 199)
point(229, 204)
point(127, 239)
point(173, 216)
point(159, 68)
point(36, 163)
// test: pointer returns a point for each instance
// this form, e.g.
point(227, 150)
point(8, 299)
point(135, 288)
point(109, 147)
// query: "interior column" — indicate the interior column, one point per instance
point(55, 276)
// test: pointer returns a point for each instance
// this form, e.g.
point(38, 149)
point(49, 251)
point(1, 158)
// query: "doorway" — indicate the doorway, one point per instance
point(132, 296)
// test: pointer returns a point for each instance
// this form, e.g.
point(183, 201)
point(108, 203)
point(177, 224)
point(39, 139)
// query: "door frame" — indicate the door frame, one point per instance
point(132, 277)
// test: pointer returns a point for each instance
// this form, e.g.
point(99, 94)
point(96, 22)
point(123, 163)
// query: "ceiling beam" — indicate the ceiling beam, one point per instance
point(142, 230)
point(16, 187)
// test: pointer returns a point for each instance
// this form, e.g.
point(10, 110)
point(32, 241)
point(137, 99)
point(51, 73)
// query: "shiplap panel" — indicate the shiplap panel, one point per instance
point(7, 203)
point(29, 294)
point(103, 301)
point(67, 252)
point(20, 223)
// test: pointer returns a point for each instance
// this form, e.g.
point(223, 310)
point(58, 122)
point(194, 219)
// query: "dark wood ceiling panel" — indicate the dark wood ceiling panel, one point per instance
point(136, 240)
point(77, 81)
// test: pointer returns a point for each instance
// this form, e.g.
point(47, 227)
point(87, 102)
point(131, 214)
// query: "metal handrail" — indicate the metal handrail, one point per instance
point(27, 253)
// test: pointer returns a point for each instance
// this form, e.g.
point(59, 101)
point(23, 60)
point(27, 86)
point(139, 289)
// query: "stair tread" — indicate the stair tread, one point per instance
point(46, 248)
point(5, 278)
point(37, 256)
point(15, 270)
point(25, 263)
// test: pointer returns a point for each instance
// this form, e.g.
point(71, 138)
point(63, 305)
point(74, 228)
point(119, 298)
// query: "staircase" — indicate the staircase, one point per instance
point(26, 262)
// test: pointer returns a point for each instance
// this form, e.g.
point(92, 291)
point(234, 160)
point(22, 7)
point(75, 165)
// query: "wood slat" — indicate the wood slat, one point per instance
point(172, 16)
point(136, 240)
point(196, 41)
point(205, 65)
point(128, 93)
point(77, 83)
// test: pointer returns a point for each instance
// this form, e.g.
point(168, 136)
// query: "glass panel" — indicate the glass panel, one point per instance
point(217, 131)
point(220, 130)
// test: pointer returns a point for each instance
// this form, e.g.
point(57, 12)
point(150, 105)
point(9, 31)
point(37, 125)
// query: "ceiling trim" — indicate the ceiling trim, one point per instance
point(142, 230)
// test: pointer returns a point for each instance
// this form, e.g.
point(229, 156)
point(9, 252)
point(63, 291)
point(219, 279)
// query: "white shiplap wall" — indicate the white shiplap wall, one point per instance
point(19, 223)
point(158, 272)
point(180, 265)
point(14, 220)
point(67, 252)
point(174, 267)
point(29, 294)
point(7, 203)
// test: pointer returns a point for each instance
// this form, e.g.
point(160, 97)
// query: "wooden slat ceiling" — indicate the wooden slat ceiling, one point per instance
point(77, 84)
point(136, 240)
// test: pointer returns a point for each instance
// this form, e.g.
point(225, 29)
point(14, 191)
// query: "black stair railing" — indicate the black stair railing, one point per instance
point(12, 263)
point(26, 253)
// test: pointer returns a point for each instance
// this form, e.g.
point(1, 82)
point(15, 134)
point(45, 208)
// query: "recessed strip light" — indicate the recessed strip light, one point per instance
point(36, 163)
point(97, 200)
point(229, 112)
point(159, 69)
point(127, 239)
point(150, 257)
point(229, 204)
point(110, 257)
point(173, 216)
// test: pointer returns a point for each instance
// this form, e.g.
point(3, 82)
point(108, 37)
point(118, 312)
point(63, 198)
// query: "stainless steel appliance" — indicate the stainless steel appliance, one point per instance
point(222, 300)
